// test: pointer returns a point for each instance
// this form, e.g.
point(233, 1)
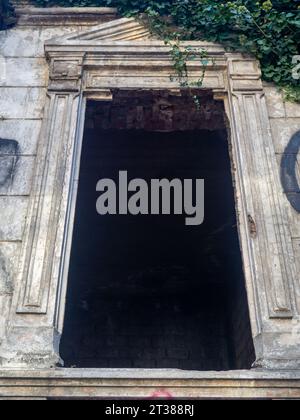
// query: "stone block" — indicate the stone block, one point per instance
point(9, 254)
point(274, 102)
point(27, 103)
point(23, 72)
point(24, 132)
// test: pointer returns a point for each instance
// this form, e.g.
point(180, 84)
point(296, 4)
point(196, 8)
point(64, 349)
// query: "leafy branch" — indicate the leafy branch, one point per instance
point(267, 29)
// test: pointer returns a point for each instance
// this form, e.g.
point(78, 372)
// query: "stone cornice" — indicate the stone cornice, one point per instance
point(58, 16)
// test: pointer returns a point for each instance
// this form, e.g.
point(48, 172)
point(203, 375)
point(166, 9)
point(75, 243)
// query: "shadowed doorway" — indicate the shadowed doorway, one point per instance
point(149, 291)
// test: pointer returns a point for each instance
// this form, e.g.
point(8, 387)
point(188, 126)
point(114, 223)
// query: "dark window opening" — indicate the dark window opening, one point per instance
point(149, 291)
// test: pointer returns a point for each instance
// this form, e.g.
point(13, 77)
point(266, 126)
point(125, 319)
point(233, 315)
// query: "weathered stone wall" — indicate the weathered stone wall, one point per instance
point(23, 81)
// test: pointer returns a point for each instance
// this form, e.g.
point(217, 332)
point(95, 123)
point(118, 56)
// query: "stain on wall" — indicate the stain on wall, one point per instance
point(9, 156)
point(289, 178)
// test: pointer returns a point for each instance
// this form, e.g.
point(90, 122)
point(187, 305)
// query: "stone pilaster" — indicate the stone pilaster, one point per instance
point(33, 338)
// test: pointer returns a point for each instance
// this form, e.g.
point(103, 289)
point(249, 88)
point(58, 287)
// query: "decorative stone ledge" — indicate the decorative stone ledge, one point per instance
point(58, 16)
point(128, 383)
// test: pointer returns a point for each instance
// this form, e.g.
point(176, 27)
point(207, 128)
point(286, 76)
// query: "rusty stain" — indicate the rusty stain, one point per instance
point(252, 226)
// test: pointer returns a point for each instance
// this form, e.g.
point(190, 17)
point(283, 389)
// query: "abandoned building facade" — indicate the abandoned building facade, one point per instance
point(132, 307)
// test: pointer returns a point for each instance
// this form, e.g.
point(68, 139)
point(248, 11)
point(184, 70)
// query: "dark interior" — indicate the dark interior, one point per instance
point(149, 291)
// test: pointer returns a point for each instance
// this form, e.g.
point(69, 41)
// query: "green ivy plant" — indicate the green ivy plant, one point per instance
point(267, 29)
point(180, 55)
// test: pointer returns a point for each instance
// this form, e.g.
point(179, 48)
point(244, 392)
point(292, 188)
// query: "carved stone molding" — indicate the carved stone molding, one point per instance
point(88, 66)
point(45, 208)
point(272, 241)
point(65, 72)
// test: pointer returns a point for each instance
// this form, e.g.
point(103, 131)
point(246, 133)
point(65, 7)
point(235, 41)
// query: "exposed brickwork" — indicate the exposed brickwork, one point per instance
point(157, 111)
point(147, 292)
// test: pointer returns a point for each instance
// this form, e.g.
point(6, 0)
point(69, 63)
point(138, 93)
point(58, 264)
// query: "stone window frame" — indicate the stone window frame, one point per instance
point(120, 54)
